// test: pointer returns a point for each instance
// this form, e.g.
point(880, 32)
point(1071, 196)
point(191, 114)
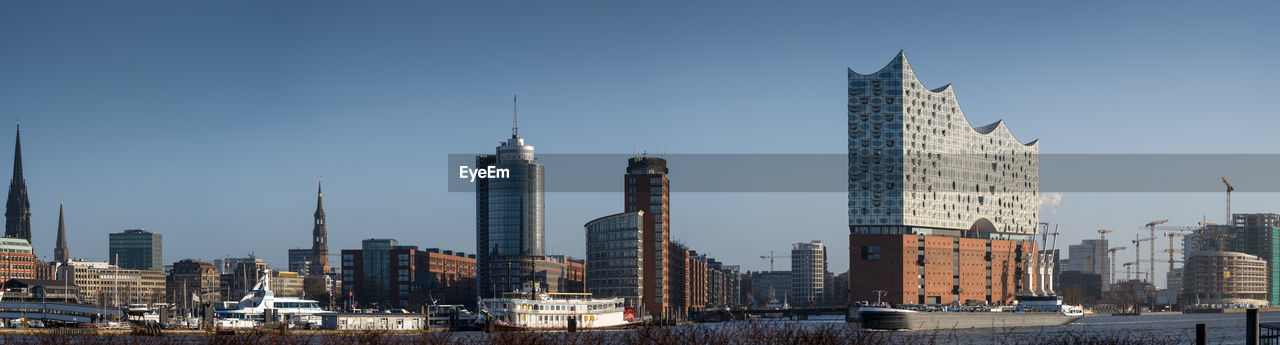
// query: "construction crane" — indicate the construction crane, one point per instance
point(771, 257)
point(1229, 189)
point(1171, 249)
point(1137, 251)
point(1112, 274)
point(1103, 233)
point(1128, 273)
point(1151, 265)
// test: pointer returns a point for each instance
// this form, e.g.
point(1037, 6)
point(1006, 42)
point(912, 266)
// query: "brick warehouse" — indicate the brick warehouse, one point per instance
point(940, 211)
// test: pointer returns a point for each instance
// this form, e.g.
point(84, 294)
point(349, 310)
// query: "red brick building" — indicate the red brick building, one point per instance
point(937, 269)
point(16, 259)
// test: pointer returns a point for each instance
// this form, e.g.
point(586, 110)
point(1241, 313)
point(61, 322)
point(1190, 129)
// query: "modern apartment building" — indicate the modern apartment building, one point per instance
point(808, 273)
point(648, 190)
point(136, 249)
point(1214, 277)
point(615, 257)
point(940, 211)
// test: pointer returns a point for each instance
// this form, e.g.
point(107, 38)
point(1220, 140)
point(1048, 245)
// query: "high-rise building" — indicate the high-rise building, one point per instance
point(808, 273)
point(940, 211)
point(60, 251)
point(300, 260)
point(136, 249)
point(648, 190)
point(319, 238)
point(1091, 256)
point(1255, 219)
point(614, 257)
point(509, 218)
point(17, 212)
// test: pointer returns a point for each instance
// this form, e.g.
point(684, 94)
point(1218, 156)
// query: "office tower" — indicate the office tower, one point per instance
point(136, 249)
point(647, 189)
point(300, 260)
point(319, 238)
point(939, 211)
point(509, 218)
point(60, 250)
point(808, 273)
point(614, 253)
point(1091, 256)
point(17, 213)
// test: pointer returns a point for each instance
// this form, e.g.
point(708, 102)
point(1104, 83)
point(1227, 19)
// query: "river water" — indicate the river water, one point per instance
point(1166, 328)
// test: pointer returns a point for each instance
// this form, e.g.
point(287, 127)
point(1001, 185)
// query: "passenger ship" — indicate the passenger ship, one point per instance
point(250, 311)
point(533, 309)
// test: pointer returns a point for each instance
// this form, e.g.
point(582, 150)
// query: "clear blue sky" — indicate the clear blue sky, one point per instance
point(209, 121)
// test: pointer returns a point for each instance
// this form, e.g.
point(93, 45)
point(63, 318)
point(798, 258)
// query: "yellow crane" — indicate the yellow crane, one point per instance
point(1229, 189)
point(771, 257)
point(1151, 265)
point(1103, 233)
point(1111, 274)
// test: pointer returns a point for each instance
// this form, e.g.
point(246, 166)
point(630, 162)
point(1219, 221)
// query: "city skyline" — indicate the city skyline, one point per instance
point(181, 166)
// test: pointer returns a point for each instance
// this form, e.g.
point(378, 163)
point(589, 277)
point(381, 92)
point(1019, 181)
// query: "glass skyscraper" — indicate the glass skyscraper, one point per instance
point(136, 249)
point(509, 218)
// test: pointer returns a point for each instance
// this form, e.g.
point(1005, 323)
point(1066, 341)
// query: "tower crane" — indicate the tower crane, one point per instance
point(1103, 233)
point(1111, 274)
point(771, 257)
point(1151, 265)
point(1229, 189)
point(1137, 251)
point(1127, 271)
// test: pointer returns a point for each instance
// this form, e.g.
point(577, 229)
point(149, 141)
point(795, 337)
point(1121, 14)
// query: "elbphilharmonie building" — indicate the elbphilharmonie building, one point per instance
point(940, 211)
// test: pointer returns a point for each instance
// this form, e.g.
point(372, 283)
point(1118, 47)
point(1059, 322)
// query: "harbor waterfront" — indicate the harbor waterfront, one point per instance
point(1146, 329)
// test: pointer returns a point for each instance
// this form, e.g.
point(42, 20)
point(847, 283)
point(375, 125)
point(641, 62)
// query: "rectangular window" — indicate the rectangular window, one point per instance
point(655, 209)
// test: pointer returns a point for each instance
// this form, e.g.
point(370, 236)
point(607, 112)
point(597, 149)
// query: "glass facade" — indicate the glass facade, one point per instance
point(375, 279)
point(136, 249)
point(916, 162)
point(614, 257)
point(509, 218)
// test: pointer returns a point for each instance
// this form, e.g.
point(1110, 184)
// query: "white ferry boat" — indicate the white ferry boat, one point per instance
point(533, 309)
point(251, 310)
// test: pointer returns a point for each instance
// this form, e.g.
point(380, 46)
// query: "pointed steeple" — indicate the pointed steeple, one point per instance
point(60, 253)
point(319, 237)
point(18, 209)
point(319, 199)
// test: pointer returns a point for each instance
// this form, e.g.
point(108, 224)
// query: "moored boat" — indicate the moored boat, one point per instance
point(1031, 311)
point(533, 309)
point(251, 310)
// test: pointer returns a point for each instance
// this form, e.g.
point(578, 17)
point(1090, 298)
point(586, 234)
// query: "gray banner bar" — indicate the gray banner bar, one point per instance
point(828, 173)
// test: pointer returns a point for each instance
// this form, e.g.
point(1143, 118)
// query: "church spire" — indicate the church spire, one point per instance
point(60, 253)
point(319, 237)
point(18, 209)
